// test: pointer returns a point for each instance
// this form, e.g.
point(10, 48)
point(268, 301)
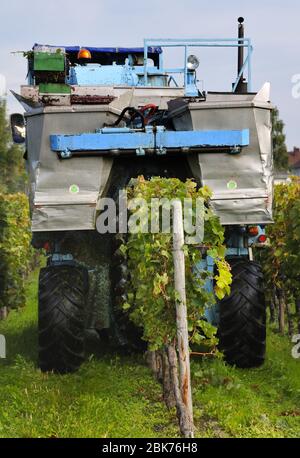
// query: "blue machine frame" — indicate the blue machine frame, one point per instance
point(199, 42)
point(159, 140)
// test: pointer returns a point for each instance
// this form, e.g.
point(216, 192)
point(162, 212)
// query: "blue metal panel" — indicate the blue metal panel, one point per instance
point(101, 142)
point(114, 75)
point(107, 139)
point(237, 252)
point(191, 89)
point(105, 75)
point(209, 138)
point(211, 314)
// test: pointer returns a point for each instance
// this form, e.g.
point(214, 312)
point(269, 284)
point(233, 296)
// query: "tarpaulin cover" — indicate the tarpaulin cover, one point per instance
point(71, 49)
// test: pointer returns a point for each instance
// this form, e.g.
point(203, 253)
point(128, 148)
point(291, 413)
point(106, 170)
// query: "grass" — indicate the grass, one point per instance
point(263, 402)
point(111, 397)
point(117, 397)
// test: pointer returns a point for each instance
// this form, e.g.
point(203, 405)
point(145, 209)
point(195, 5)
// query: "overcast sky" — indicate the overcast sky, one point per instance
point(273, 26)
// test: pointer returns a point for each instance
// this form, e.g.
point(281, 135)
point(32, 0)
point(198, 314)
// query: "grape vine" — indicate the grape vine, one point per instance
point(150, 295)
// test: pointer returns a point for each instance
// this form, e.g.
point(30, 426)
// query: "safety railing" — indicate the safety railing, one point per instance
point(201, 43)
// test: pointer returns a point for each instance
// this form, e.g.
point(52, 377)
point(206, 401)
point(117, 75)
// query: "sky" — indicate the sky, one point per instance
point(273, 26)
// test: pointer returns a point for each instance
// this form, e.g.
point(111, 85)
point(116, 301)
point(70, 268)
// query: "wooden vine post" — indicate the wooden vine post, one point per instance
point(184, 394)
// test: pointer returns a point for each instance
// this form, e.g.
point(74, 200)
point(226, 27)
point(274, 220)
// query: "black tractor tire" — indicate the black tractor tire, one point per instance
point(62, 298)
point(242, 328)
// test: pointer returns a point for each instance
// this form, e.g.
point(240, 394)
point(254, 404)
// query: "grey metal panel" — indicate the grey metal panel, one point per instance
point(251, 170)
point(242, 211)
point(138, 96)
point(63, 218)
point(53, 205)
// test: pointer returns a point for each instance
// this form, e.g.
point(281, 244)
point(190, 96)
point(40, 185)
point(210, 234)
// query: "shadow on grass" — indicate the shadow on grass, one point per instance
point(23, 342)
point(103, 348)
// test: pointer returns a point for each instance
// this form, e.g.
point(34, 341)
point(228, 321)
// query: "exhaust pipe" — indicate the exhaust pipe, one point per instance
point(242, 86)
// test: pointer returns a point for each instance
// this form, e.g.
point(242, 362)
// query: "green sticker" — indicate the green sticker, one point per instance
point(232, 185)
point(74, 189)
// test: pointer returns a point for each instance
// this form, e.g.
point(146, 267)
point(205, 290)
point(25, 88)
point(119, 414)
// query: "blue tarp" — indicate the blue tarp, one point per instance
point(70, 49)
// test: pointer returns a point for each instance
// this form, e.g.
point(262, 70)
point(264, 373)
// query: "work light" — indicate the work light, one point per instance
point(192, 62)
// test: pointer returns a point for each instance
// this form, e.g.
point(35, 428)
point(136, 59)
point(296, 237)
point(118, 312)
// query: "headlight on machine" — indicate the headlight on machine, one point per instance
point(192, 62)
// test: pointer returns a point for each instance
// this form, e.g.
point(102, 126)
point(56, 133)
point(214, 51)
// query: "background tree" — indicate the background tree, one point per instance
point(281, 159)
point(12, 170)
point(281, 257)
